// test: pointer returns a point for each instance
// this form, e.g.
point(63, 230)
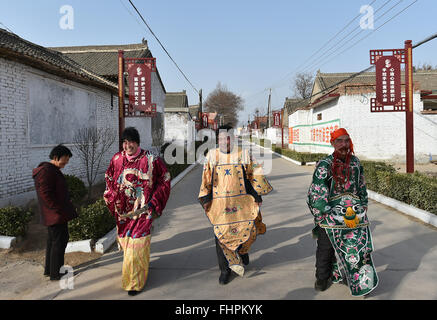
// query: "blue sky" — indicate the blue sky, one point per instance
point(247, 45)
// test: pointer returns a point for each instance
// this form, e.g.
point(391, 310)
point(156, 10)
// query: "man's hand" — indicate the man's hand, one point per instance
point(207, 205)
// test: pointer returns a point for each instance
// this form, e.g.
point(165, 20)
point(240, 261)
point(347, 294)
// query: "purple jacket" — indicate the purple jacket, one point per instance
point(53, 197)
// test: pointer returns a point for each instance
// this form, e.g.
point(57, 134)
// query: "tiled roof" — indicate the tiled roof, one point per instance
point(426, 80)
point(103, 59)
point(292, 104)
point(15, 48)
point(175, 100)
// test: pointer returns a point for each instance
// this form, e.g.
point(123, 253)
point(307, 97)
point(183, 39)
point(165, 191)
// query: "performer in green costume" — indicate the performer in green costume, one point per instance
point(337, 199)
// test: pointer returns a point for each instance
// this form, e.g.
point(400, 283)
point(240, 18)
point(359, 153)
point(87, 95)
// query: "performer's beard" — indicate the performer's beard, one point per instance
point(341, 166)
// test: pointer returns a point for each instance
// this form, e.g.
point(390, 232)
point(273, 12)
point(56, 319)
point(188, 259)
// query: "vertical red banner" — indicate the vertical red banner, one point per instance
point(276, 119)
point(140, 86)
point(388, 80)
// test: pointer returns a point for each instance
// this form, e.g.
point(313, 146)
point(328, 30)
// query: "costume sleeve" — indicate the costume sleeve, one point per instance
point(362, 192)
point(162, 183)
point(109, 194)
point(255, 176)
point(318, 193)
point(205, 193)
point(47, 189)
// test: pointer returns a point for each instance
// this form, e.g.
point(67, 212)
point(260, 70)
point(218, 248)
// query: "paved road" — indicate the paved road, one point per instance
point(184, 264)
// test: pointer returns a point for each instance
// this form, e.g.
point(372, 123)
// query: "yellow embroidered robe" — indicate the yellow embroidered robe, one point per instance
point(233, 212)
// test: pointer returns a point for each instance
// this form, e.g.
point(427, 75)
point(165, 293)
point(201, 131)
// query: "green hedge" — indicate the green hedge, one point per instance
point(76, 189)
point(417, 189)
point(14, 221)
point(303, 157)
point(94, 222)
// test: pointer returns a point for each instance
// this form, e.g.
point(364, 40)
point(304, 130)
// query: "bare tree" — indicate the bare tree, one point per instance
point(303, 85)
point(90, 145)
point(225, 103)
point(425, 66)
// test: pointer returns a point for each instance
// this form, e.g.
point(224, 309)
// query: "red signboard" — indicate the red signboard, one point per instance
point(276, 119)
point(388, 80)
point(205, 120)
point(140, 93)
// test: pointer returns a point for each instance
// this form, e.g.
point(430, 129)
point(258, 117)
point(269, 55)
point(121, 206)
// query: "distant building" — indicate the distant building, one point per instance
point(377, 136)
point(179, 123)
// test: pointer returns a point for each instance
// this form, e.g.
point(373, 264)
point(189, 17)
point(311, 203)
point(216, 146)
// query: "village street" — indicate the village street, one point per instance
point(184, 263)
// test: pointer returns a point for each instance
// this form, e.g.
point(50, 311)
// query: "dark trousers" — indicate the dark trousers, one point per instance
point(222, 262)
point(325, 256)
point(56, 243)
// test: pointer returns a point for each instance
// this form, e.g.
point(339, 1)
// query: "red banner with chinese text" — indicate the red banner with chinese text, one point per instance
point(388, 80)
point(276, 119)
point(140, 86)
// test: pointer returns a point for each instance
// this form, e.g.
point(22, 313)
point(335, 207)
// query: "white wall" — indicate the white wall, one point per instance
point(179, 128)
point(29, 124)
point(376, 136)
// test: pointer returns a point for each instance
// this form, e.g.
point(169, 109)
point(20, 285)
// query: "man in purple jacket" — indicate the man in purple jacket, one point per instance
point(55, 207)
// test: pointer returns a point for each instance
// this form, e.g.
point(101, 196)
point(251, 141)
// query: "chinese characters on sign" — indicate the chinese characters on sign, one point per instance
point(139, 82)
point(276, 119)
point(388, 80)
point(323, 134)
point(140, 86)
point(205, 120)
point(318, 134)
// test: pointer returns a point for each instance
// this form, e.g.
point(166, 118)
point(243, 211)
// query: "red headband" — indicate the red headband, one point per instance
point(341, 132)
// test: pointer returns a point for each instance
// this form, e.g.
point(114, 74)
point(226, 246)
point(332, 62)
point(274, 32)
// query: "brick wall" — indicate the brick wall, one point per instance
point(18, 156)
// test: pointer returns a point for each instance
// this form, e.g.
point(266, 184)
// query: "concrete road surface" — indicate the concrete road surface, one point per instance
point(184, 265)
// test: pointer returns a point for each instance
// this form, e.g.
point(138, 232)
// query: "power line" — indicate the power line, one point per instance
point(369, 34)
point(371, 67)
point(315, 53)
point(323, 56)
point(162, 46)
point(274, 85)
point(425, 40)
point(6, 27)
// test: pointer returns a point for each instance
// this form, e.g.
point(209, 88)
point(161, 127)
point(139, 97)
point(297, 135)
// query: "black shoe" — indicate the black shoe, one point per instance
point(245, 258)
point(225, 277)
point(133, 292)
point(322, 285)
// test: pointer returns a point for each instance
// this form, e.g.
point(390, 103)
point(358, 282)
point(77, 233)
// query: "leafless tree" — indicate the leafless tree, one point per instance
point(302, 85)
point(225, 103)
point(90, 145)
point(425, 66)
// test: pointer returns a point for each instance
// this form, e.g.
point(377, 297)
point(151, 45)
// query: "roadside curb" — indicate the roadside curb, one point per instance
point(7, 242)
point(424, 216)
point(407, 209)
point(104, 243)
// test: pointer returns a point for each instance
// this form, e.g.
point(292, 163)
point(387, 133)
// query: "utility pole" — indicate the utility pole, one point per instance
point(409, 106)
point(121, 94)
point(268, 109)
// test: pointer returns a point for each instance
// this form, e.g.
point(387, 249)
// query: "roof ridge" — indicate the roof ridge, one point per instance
point(102, 48)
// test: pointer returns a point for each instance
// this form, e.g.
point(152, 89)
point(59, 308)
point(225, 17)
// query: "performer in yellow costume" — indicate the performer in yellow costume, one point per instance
point(230, 193)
